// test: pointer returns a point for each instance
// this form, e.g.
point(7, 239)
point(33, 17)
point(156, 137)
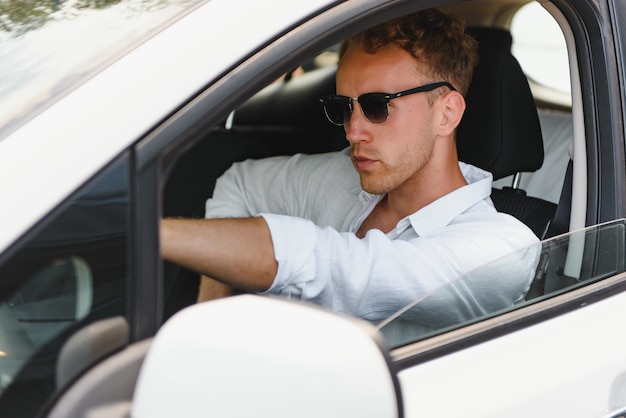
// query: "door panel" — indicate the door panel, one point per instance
point(572, 365)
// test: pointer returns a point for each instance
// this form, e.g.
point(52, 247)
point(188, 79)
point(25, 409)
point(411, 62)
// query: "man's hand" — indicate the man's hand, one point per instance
point(238, 252)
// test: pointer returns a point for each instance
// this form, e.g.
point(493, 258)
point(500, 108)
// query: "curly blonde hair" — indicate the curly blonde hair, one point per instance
point(437, 40)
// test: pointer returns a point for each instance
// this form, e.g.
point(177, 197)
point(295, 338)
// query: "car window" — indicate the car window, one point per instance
point(562, 264)
point(68, 273)
point(539, 46)
point(48, 47)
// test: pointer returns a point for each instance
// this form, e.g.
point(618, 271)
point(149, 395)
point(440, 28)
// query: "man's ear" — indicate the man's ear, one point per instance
point(452, 107)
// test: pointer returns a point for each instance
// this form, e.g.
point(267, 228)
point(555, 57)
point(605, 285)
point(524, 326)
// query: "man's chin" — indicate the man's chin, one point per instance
point(372, 187)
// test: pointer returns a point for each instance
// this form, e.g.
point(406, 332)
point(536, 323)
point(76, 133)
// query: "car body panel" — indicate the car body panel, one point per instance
point(555, 368)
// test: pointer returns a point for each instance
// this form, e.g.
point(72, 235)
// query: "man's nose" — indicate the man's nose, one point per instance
point(356, 125)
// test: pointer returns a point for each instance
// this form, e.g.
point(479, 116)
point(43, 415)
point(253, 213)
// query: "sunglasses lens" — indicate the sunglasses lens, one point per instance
point(374, 107)
point(337, 109)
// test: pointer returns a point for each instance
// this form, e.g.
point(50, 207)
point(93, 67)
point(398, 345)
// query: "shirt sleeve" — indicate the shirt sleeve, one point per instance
point(376, 276)
point(274, 185)
point(244, 189)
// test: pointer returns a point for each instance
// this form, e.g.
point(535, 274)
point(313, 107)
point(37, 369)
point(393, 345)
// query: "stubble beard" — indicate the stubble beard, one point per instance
point(379, 182)
point(385, 178)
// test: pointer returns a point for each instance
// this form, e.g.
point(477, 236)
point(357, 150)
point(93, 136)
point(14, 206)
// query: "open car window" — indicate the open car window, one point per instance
point(539, 46)
point(561, 264)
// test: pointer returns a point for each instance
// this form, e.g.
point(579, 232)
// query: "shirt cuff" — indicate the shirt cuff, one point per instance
point(294, 242)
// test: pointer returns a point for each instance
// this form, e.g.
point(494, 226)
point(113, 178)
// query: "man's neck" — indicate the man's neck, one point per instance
point(425, 189)
point(412, 196)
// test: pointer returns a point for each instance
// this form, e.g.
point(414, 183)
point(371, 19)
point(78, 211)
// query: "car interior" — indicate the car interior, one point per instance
point(501, 132)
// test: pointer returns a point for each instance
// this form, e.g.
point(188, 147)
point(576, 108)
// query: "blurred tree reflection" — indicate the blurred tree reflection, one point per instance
point(19, 16)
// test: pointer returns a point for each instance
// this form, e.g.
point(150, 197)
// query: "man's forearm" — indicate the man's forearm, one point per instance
point(238, 252)
point(210, 289)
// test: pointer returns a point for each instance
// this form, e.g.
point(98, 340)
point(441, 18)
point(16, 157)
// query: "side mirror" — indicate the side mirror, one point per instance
point(266, 357)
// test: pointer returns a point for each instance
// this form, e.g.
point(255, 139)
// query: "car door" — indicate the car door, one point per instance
point(556, 353)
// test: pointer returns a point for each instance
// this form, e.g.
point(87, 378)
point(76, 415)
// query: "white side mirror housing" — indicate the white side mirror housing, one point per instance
point(266, 357)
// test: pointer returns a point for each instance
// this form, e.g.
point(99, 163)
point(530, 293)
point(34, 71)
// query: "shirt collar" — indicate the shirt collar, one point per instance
point(442, 211)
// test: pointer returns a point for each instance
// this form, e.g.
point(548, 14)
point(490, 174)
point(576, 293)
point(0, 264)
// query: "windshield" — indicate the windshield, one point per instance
point(561, 264)
point(50, 46)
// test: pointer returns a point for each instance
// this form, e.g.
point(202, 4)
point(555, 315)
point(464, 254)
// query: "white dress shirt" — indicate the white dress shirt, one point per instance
point(314, 204)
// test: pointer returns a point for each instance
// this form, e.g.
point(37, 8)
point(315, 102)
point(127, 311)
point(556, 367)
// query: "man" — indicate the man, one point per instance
point(386, 222)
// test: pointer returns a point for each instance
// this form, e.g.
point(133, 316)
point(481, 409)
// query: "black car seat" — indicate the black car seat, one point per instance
point(500, 131)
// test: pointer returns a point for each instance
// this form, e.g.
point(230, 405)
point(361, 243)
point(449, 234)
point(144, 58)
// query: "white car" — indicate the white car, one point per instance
point(115, 114)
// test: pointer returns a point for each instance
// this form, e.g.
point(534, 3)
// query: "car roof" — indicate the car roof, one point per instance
point(52, 154)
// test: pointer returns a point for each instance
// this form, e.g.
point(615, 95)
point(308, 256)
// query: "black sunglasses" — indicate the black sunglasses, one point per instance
point(338, 109)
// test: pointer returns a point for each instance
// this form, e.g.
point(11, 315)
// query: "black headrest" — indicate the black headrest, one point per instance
point(500, 131)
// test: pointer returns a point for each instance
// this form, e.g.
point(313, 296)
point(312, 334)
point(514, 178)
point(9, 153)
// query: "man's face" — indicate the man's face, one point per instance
point(392, 155)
